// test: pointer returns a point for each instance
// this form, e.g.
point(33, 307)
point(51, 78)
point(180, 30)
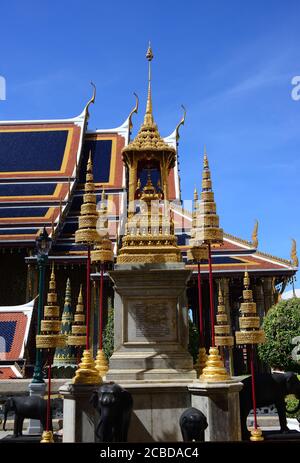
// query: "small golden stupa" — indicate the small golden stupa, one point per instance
point(77, 337)
point(86, 233)
point(197, 253)
point(250, 332)
point(209, 232)
point(222, 328)
point(50, 337)
point(103, 253)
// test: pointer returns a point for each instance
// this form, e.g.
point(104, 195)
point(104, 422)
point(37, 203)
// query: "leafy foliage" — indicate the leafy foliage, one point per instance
point(281, 325)
point(292, 402)
point(108, 334)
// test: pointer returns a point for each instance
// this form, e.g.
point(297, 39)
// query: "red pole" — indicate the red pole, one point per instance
point(200, 307)
point(101, 307)
point(253, 386)
point(49, 395)
point(211, 297)
point(88, 298)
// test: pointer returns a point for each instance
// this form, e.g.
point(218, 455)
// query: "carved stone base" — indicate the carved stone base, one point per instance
point(151, 324)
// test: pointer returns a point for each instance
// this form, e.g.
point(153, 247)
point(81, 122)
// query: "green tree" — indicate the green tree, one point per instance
point(108, 334)
point(281, 325)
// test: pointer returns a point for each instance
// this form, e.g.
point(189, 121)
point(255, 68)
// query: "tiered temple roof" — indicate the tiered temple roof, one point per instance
point(42, 180)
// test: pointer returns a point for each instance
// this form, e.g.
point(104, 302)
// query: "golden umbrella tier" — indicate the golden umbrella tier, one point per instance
point(250, 332)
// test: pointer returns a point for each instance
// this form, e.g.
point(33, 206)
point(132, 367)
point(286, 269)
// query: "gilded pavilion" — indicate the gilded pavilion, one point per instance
point(42, 173)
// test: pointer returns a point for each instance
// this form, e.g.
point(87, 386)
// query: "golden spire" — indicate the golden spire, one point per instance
point(77, 337)
point(195, 194)
point(50, 336)
point(209, 229)
point(148, 137)
point(68, 292)
point(103, 251)
point(249, 321)
point(86, 233)
point(255, 235)
point(222, 329)
point(294, 257)
point(148, 119)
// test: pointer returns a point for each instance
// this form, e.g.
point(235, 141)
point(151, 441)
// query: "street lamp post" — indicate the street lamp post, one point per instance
point(43, 246)
point(37, 385)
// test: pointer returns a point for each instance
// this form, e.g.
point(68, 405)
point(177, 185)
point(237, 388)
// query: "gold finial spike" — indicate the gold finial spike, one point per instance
point(255, 235)
point(220, 296)
point(80, 297)
point(246, 280)
point(89, 164)
point(68, 292)
point(294, 257)
point(148, 119)
point(205, 159)
point(195, 194)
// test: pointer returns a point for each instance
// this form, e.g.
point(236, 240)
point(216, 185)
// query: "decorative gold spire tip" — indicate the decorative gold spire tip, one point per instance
point(149, 54)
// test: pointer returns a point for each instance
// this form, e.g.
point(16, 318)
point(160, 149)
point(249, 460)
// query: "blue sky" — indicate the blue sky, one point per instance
point(229, 62)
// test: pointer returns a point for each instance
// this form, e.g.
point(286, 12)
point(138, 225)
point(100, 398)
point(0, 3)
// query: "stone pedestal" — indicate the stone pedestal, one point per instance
point(151, 324)
point(157, 408)
point(220, 404)
point(34, 426)
point(79, 414)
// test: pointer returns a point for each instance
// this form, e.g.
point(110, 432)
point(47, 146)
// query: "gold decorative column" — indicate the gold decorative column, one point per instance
point(250, 333)
point(102, 254)
point(87, 235)
point(197, 253)
point(50, 339)
point(77, 337)
point(210, 233)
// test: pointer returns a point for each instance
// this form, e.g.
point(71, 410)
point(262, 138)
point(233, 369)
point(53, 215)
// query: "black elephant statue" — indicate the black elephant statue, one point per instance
point(114, 405)
point(193, 424)
point(270, 388)
point(34, 407)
